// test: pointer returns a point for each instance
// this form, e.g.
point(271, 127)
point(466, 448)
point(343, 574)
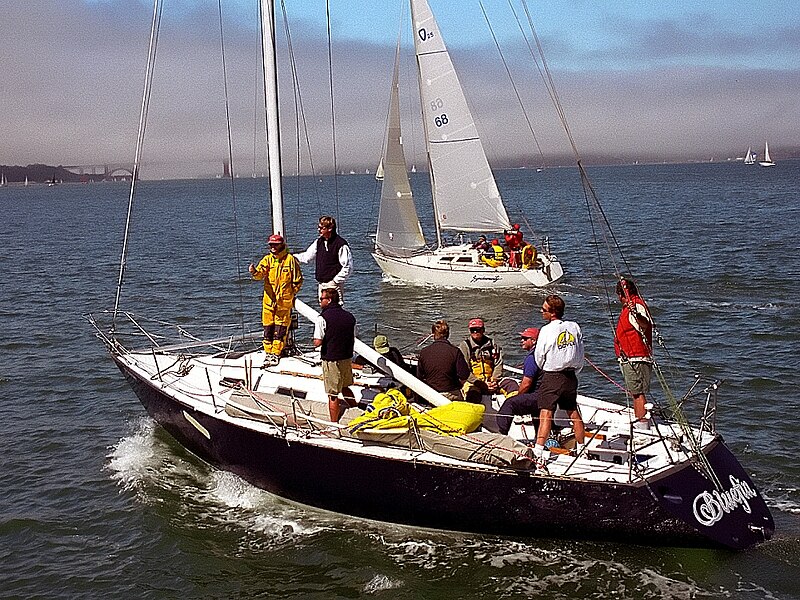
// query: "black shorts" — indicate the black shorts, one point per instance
point(558, 388)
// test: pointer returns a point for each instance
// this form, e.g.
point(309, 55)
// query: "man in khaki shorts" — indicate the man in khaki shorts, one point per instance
point(334, 334)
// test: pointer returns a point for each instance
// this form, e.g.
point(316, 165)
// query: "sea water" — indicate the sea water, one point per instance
point(98, 501)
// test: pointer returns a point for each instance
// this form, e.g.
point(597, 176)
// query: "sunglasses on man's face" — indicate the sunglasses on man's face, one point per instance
point(476, 329)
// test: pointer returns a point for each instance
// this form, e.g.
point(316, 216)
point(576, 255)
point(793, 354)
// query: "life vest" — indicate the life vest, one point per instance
point(629, 342)
point(482, 358)
point(529, 255)
point(499, 253)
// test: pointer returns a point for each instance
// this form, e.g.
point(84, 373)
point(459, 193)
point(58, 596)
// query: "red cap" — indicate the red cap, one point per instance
point(530, 332)
point(275, 238)
point(495, 241)
point(476, 322)
point(516, 225)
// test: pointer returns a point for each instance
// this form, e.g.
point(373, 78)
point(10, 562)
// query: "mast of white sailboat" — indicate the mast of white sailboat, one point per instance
point(271, 107)
point(425, 130)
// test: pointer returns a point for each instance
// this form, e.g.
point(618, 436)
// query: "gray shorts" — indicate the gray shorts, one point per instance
point(637, 376)
point(337, 374)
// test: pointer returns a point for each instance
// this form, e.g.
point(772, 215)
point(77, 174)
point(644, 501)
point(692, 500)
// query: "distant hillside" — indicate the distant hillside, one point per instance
point(38, 173)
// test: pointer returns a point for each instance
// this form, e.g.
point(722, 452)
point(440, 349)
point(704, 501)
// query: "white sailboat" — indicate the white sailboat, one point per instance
point(767, 162)
point(379, 172)
point(463, 189)
point(750, 157)
point(672, 484)
point(3, 181)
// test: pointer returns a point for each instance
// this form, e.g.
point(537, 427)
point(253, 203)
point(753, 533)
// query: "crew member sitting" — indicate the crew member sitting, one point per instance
point(482, 244)
point(485, 361)
point(495, 257)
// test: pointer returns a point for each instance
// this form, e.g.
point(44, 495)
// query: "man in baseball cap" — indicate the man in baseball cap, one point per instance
point(282, 278)
point(485, 361)
point(525, 402)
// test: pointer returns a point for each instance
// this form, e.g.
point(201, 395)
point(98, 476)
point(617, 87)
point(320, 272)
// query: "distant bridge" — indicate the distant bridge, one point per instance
point(108, 171)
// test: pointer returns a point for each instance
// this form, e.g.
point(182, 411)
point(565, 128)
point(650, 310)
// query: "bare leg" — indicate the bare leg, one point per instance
point(334, 408)
point(349, 397)
point(638, 406)
point(577, 426)
point(545, 424)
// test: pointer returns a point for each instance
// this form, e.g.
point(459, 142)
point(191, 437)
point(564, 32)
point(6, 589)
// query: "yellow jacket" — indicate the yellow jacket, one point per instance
point(282, 279)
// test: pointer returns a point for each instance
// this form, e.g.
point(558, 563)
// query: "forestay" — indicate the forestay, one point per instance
point(465, 194)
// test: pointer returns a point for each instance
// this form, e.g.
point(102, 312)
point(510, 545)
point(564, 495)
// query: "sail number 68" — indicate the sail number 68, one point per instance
point(441, 120)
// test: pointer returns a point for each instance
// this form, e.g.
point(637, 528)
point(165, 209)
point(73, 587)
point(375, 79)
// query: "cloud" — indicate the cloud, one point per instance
point(74, 73)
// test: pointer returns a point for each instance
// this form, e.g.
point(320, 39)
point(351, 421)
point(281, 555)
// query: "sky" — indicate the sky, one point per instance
point(639, 80)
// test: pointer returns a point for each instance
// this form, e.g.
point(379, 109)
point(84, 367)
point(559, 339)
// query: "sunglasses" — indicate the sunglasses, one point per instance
point(475, 329)
point(526, 338)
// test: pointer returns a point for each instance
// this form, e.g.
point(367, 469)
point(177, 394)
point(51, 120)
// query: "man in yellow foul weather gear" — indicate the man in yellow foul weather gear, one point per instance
point(485, 361)
point(283, 279)
point(496, 256)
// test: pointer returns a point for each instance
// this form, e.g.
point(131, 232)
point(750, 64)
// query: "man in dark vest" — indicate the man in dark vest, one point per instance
point(334, 334)
point(332, 257)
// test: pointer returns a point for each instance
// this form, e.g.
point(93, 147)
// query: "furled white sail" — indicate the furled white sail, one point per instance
point(465, 194)
point(399, 232)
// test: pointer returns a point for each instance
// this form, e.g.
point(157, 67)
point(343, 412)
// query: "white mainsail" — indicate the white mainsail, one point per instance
point(750, 157)
point(767, 162)
point(465, 195)
point(399, 232)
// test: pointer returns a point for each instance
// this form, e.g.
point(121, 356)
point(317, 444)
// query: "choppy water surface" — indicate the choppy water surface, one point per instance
point(97, 500)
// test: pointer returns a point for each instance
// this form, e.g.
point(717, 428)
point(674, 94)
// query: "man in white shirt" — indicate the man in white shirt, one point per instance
point(559, 354)
point(331, 255)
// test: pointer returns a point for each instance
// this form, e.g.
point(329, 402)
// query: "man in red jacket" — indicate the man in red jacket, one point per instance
point(633, 345)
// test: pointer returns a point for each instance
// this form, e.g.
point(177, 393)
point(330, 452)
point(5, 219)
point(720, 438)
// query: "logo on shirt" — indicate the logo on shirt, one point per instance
point(564, 340)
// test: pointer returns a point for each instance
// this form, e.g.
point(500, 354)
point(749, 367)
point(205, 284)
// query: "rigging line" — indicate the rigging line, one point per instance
point(231, 169)
point(300, 115)
point(511, 79)
point(333, 110)
point(255, 87)
point(155, 27)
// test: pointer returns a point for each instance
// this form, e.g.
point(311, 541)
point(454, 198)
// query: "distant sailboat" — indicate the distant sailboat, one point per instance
point(767, 162)
point(379, 171)
point(3, 181)
point(750, 157)
point(26, 181)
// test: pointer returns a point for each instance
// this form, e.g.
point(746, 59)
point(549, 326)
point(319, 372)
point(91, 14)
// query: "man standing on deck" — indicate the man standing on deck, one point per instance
point(334, 335)
point(282, 281)
point(559, 354)
point(332, 256)
point(633, 344)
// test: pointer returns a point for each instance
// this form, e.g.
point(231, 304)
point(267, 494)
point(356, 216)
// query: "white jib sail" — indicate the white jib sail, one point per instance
point(399, 232)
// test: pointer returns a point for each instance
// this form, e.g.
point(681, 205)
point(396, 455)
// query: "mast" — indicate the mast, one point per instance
point(271, 107)
point(415, 33)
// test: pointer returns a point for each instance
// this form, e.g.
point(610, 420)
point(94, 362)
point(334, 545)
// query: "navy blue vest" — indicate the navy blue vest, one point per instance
point(328, 265)
point(337, 343)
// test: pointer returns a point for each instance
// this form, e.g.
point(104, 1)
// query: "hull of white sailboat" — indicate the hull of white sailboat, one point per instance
point(677, 505)
point(767, 164)
point(460, 267)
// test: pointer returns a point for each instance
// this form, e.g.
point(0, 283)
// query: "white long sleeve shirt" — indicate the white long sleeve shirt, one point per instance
point(560, 346)
point(345, 259)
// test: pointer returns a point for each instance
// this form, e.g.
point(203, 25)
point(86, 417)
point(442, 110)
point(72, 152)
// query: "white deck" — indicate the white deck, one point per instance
point(187, 380)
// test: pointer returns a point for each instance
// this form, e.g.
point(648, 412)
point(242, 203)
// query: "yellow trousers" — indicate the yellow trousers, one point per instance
point(276, 321)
